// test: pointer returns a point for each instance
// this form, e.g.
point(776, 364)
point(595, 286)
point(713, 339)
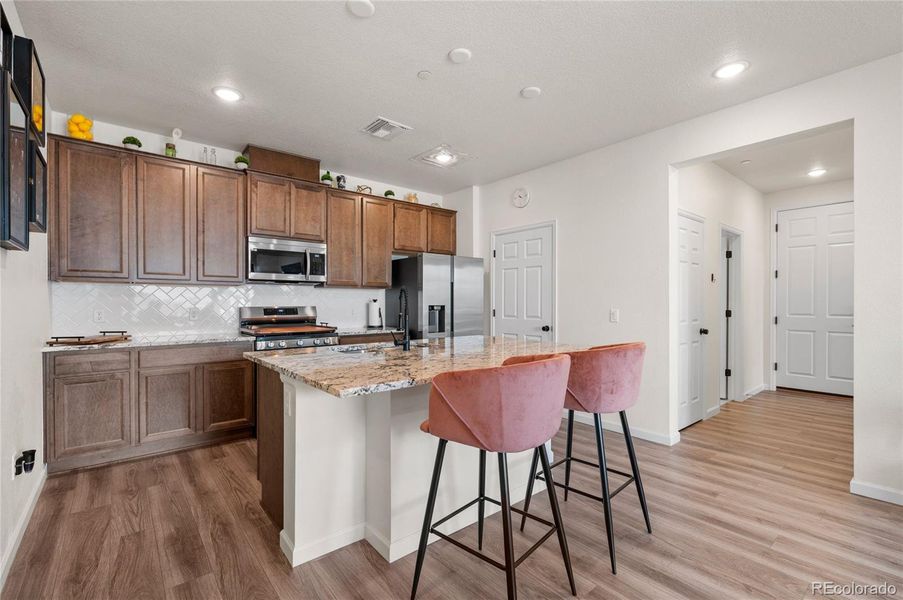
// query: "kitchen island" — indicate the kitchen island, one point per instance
point(354, 463)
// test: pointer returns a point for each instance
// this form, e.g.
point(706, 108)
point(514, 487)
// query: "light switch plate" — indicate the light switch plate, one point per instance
point(614, 315)
point(193, 313)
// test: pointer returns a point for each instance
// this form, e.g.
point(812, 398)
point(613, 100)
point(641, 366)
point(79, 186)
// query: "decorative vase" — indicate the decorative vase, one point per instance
point(241, 166)
point(132, 146)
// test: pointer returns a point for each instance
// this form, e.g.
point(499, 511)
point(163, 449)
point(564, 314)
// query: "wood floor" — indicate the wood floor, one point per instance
point(752, 503)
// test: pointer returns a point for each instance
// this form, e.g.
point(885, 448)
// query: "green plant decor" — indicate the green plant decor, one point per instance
point(241, 158)
point(327, 176)
point(389, 194)
point(131, 140)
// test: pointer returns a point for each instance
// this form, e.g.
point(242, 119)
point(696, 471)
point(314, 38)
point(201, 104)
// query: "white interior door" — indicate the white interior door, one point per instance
point(690, 245)
point(523, 276)
point(815, 298)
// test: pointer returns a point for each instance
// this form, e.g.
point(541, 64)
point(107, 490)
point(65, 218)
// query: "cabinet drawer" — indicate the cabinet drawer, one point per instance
point(195, 355)
point(81, 362)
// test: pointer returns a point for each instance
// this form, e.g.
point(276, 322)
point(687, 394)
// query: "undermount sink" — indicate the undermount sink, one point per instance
point(355, 349)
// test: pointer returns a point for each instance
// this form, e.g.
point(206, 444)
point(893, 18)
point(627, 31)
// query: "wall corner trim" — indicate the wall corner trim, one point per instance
point(877, 492)
point(19, 532)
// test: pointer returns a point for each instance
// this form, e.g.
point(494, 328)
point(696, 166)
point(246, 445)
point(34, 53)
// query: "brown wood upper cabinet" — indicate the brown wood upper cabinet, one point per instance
point(308, 212)
point(94, 193)
point(441, 236)
point(377, 243)
point(166, 207)
point(343, 239)
point(221, 225)
point(269, 205)
point(410, 227)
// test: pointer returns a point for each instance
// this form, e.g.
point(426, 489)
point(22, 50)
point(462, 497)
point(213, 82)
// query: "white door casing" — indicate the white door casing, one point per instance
point(814, 298)
point(690, 406)
point(523, 282)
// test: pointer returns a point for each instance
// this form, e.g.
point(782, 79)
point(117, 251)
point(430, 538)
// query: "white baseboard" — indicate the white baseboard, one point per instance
point(317, 548)
point(878, 492)
point(21, 526)
point(643, 434)
point(711, 412)
point(752, 392)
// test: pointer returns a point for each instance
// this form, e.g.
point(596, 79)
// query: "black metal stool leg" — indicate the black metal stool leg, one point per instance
point(506, 526)
point(529, 496)
point(634, 466)
point(567, 454)
point(428, 517)
point(481, 506)
point(606, 498)
point(556, 516)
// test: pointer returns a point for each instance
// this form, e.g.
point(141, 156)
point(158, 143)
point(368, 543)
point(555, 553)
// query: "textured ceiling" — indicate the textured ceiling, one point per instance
point(313, 74)
point(785, 163)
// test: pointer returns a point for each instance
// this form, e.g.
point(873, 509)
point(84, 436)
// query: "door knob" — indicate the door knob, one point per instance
point(703, 331)
point(546, 328)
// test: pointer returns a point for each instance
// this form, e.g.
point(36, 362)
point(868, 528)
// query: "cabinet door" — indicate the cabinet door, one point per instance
point(441, 232)
point(166, 402)
point(269, 205)
point(91, 412)
point(221, 231)
point(94, 193)
point(228, 393)
point(343, 266)
point(410, 227)
point(308, 212)
point(377, 243)
point(165, 218)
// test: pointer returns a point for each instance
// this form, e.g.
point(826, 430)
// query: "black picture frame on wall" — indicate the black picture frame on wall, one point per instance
point(6, 43)
point(37, 187)
point(14, 205)
point(29, 78)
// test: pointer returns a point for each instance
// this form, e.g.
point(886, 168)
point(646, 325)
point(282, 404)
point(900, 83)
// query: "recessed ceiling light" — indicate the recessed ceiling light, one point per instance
point(227, 94)
point(530, 92)
point(731, 69)
point(424, 74)
point(817, 172)
point(360, 8)
point(460, 55)
point(743, 163)
point(441, 156)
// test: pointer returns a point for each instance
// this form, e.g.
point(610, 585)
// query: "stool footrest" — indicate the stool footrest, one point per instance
point(479, 554)
point(629, 476)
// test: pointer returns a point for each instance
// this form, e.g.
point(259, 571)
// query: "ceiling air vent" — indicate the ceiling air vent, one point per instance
point(385, 129)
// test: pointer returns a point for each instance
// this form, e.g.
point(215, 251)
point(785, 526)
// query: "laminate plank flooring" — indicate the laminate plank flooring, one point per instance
point(753, 503)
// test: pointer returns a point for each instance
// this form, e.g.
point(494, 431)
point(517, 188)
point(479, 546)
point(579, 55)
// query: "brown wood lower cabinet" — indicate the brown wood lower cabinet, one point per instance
point(105, 406)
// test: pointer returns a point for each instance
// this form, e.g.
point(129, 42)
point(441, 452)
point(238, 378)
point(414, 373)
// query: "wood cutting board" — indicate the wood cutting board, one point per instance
point(90, 340)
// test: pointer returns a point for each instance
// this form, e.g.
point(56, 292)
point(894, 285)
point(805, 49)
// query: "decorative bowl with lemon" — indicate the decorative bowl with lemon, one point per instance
point(79, 127)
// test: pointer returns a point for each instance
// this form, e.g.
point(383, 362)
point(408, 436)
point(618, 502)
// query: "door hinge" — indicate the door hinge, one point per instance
point(775, 366)
point(493, 254)
point(775, 226)
point(728, 313)
point(775, 273)
point(728, 254)
point(775, 320)
point(493, 312)
point(727, 372)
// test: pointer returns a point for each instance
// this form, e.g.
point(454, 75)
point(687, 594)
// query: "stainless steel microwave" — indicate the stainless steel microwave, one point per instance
point(288, 261)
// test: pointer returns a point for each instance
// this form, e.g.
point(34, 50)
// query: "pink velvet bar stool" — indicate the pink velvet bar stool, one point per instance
point(603, 380)
point(500, 409)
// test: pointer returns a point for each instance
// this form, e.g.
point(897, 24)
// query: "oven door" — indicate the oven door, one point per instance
point(273, 259)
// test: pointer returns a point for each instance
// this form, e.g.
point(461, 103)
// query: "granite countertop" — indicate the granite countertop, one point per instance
point(365, 331)
point(383, 367)
point(145, 341)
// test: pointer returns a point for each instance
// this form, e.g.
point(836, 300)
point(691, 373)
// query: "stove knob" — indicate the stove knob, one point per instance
point(269, 344)
point(299, 343)
point(318, 342)
point(282, 344)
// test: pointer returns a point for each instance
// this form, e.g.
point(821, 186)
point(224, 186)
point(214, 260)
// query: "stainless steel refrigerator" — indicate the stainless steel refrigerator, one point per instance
point(445, 295)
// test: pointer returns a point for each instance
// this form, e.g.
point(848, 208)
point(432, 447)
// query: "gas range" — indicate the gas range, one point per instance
point(276, 327)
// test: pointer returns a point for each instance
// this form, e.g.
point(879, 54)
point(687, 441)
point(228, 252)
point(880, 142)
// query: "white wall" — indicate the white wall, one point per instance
point(616, 207)
point(803, 197)
point(709, 191)
point(24, 306)
point(467, 227)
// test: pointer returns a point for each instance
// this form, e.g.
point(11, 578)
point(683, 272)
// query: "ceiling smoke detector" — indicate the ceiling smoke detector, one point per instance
point(441, 156)
point(385, 129)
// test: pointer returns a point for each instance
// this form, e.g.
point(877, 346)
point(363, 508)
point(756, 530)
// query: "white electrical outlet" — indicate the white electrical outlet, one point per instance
point(193, 313)
point(614, 315)
point(99, 316)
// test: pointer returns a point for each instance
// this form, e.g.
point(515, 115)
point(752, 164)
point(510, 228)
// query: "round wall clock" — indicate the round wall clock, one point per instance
point(520, 197)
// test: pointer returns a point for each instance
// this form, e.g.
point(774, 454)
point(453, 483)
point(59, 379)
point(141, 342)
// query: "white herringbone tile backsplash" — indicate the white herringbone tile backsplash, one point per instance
point(165, 310)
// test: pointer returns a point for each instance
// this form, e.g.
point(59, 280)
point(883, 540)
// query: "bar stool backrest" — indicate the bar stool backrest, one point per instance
point(511, 408)
point(605, 379)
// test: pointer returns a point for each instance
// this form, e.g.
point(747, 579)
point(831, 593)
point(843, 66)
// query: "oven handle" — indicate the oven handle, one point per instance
point(307, 264)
